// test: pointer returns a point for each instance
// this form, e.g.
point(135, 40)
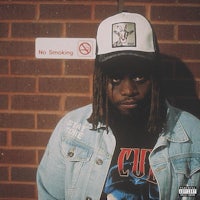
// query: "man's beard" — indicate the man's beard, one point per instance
point(138, 114)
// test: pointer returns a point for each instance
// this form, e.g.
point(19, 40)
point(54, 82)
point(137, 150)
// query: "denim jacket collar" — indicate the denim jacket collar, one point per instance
point(176, 132)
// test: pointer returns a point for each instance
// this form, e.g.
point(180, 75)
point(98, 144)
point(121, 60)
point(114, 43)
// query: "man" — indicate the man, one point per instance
point(130, 143)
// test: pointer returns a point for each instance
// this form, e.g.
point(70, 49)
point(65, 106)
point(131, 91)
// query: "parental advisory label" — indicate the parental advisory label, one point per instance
point(187, 191)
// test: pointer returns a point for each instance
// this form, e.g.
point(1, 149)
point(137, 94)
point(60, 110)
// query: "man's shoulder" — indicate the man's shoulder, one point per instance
point(190, 123)
point(187, 117)
point(80, 113)
point(176, 112)
point(187, 120)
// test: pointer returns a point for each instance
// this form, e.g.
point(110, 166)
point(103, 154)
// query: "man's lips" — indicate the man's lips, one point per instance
point(128, 104)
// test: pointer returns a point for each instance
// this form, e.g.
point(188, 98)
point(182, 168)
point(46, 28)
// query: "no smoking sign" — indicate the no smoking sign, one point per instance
point(85, 48)
point(65, 48)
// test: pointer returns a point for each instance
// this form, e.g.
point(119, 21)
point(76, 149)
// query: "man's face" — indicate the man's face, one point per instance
point(128, 90)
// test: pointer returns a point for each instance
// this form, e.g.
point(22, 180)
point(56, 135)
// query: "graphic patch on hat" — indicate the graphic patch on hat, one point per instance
point(123, 34)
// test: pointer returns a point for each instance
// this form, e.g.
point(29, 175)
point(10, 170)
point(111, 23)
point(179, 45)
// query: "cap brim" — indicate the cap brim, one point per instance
point(132, 55)
point(126, 60)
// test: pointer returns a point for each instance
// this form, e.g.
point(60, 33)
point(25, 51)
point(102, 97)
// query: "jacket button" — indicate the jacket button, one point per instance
point(88, 198)
point(70, 154)
point(99, 161)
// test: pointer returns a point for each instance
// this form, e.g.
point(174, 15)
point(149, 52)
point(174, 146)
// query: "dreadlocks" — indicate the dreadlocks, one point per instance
point(100, 114)
point(100, 100)
point(158, 108)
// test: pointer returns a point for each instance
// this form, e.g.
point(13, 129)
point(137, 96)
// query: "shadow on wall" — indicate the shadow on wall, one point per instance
point(179, 85)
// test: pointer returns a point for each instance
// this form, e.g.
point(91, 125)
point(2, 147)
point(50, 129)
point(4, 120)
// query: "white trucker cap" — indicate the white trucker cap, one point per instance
point(125, 34)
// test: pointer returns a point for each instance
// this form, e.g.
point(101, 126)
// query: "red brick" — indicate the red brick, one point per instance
point(36, 67)
point(189, 32)
point(3, 102)
point(16, 120)
point(189, 1)
point(27, 174)
point(4, 66)
point(17, 11)
point(40, 154)
point(4, 30)
point(35, 102)
point(136, 9)
point(153, 1)
point(16, 48)
point(57, 85)
point(3, 138)
point(61, 11)
point(79, 67)
point(164, 32)
point(3, 174)
point(175, 13)
point(32, 30)
point(17, 156)
point(102, 11)
point(183, 51)
point(47, 121)
point(8, 84)
point(23, 75)
point(81, 30)
point(17, 191)
point(30, 138)
point(76, 102)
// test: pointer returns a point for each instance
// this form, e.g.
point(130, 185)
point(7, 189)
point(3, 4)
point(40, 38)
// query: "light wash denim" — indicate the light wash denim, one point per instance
point(77, 158)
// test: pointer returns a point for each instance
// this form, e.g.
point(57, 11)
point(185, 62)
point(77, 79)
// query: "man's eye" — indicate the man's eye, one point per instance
point(115, 80)
point(139, 78)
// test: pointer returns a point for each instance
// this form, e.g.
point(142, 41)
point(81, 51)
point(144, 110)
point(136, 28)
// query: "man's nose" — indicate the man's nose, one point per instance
point(129, 87)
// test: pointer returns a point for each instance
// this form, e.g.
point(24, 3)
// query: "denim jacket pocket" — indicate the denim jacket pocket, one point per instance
point(185, 167)
point(75, 151)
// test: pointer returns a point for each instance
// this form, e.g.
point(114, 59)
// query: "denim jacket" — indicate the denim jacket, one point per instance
point(77, 158)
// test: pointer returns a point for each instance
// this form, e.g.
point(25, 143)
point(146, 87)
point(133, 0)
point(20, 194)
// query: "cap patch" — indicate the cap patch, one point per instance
point(123, 34)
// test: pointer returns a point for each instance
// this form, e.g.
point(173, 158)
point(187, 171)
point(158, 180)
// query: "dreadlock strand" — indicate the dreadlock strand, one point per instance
point(99, 81)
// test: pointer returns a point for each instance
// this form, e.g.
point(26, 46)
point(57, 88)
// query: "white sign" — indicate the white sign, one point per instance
point(65, 48)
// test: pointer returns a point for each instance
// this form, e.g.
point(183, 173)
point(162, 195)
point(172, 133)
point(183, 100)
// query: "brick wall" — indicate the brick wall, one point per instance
point(36, 93)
